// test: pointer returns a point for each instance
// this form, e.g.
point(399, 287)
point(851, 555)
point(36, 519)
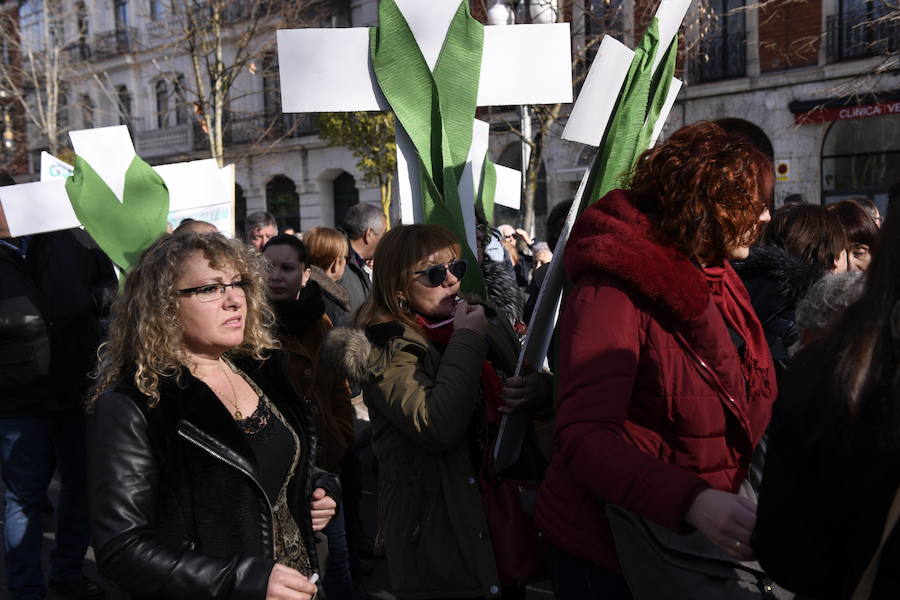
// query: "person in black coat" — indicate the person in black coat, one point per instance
point(833, 463)
point(801, 244)
point(202, 477)
point(55, 291)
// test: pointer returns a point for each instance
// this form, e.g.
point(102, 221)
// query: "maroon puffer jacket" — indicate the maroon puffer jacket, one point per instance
point(640, 424)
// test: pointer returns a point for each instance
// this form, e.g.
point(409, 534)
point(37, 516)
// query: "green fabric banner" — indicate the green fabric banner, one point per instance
point(437, 110)
point(634, 116)
point(122, 229)
point(487, 190)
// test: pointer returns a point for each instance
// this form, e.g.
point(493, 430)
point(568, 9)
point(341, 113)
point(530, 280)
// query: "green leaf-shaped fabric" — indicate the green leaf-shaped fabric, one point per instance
point(436, 109)
point(122, 229)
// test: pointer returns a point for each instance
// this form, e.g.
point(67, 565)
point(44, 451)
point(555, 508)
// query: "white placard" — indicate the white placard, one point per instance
point(197, 189)
point(670, 14)
point(598, 95)
point(471, 177)
point(329, 70)
point(53, 168)
point(674, 88)
point(109, 151)
point(429, 22)
point(509, 187)
point(37, 207)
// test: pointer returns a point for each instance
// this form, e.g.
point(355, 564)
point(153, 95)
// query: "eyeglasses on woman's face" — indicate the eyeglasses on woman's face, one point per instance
point(214, 291)
point(435, 275)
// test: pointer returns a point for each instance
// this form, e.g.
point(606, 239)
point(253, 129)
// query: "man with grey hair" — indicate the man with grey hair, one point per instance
point(364, 225)
point(260, 227)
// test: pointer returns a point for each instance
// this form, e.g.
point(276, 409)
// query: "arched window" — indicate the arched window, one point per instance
point(162, 104)
point(283, 201)
point(750, 131)
point(861, 157)
point(345, 195)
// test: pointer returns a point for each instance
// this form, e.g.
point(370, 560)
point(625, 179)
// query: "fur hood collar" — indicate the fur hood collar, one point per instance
point(791, 277)
point(613, 237)
point(333, 290)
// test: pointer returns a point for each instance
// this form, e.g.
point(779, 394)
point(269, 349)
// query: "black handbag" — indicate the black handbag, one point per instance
point(659, 564)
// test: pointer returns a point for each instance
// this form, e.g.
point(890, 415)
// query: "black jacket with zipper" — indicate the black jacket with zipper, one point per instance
point(177, 507)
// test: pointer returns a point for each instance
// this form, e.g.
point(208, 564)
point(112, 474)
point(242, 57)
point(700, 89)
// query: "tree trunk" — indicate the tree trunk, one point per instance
point(386, 191)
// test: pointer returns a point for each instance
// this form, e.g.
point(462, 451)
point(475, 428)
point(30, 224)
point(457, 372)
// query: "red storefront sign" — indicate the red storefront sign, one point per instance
point(847, 112)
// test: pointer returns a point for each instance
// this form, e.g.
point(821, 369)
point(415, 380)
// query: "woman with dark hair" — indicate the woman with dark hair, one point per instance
point(862, 232)
point(801, 244)
point(434, 374)
point(202, 454)
point(302, 326)
point(834, 448)
point(666, 382)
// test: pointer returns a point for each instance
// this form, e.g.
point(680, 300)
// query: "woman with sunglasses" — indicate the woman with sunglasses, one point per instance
point(432, 368)
point(202, 477)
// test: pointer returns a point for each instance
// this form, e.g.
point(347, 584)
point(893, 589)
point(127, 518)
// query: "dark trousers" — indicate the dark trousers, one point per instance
point(577, 579)
point(30, 448)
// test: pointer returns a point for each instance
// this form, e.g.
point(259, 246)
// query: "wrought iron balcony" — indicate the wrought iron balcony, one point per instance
point(861, 33)
point(251, 128)
point(719, 56)
point(123, 40)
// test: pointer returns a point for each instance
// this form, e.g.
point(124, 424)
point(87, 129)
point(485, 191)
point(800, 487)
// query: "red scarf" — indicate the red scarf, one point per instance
point(733, 302)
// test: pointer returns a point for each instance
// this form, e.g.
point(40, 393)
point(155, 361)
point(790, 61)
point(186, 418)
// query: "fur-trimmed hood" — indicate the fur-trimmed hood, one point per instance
point(346, 352)
point(776, 279)
point(333, 290)
point(614, 237)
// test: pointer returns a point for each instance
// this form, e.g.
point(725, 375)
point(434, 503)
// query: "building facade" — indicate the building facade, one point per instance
point(816, 84)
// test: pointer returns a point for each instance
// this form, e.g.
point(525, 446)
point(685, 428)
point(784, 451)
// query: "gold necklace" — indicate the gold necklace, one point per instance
point(237, 411)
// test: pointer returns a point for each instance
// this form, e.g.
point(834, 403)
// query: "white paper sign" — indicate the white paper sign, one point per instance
point(197, 189)
point(329, 70)
point(53, 168)
point(509, 187)
point(37, 207)
point(591, 113)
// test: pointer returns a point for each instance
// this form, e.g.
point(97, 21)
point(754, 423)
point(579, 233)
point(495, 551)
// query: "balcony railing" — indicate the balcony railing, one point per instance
point(719, 56)
point(165, 142)
point(861, 33)
point(104, 45)
point(248, 129)
point(118, 41)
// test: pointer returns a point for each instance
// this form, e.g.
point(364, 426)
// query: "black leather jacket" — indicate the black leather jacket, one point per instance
point(177, 507)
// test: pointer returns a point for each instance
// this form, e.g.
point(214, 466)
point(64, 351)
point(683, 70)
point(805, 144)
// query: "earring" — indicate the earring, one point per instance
point(404, 305)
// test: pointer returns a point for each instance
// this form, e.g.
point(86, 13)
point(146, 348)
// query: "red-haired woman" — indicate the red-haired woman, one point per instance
point(667, 383)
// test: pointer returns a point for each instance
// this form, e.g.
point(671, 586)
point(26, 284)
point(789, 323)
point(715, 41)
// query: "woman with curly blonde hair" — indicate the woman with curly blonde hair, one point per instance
point(202, 453)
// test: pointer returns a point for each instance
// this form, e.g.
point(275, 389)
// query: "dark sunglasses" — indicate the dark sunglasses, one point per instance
point(436, 274)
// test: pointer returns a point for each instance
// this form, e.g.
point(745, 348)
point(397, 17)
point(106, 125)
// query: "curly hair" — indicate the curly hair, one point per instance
point(704, 189)
point(402, 251)
point(145, 333)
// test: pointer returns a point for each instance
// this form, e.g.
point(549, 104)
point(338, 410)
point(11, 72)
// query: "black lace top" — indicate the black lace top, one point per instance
point(277, 449)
